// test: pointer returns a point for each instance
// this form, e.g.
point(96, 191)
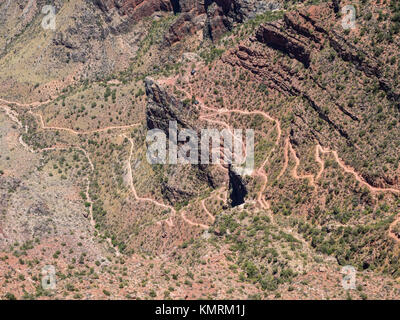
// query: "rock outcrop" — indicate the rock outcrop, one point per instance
point(137, 9)
point(214, 17)
point(271, 35)
point(237, 187)
point(188, 23)
point(223, 14)
point(163, 108)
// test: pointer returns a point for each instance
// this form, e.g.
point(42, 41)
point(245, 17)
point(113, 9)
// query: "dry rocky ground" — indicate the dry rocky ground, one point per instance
point(77, 192)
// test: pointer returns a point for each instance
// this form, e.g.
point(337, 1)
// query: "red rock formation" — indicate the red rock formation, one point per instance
point(187, 24)
point(135, 8)
point(217, 21)
point(218, 16)
point(271, 35)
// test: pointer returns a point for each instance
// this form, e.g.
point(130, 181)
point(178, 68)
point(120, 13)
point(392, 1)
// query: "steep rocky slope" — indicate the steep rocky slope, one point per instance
point(77, 102)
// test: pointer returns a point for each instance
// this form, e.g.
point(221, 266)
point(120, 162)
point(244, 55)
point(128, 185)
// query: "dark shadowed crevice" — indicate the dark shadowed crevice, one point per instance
point(237, 188)
point(176, 6)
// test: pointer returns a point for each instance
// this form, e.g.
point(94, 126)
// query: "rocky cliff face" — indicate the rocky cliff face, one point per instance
point(215, 17)
point(271, 35)
point(222, 14)
point(163, 108)
point(237, 187)
point(137, 9)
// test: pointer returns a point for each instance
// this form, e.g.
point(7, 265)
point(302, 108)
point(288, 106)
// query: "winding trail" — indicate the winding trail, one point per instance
point(351, 170)
point(44, 127)
point(360, 179)
point(244, 112)
point(318, 150)
point(137, 198)
point(295, 175)
point(27, 105)
point(206, 210)
point(14, 117)
point(260, 172)
point(194, 224)
point(87, 194)
point(294, 172)
point(286, 158)
point(171, 209)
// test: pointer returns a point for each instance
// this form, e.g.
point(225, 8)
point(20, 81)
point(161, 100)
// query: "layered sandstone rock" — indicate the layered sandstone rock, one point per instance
point(271, 35)
point(215, 17)
point(137, 9)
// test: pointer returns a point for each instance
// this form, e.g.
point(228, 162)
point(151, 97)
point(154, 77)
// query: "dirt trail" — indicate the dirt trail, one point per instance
point(350, 170)
point(223, 198)
point(288, 145)
point(286, 158)
point(44, 127)
point(360, 179)
point(295, 175)
point(168, 221)
point(22, 142)
point(224, 124)
point(27, 105)
point(259, 172)
point(137, 198)
point(244, 112)
point(14, 117)
point(206, 210)
point(318, 149)
point(194, 224)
